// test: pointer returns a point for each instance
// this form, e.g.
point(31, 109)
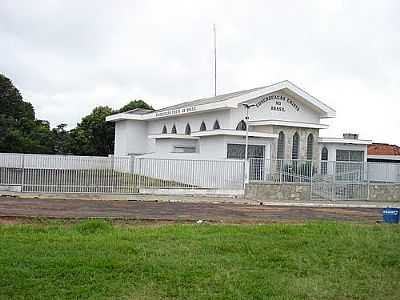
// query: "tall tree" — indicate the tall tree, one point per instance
point(19, 130)
point(62, 140)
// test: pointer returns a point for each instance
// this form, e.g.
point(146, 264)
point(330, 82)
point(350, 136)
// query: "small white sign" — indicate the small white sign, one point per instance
point(178, 111)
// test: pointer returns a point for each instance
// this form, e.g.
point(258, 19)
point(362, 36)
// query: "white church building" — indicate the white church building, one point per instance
point(284, 122)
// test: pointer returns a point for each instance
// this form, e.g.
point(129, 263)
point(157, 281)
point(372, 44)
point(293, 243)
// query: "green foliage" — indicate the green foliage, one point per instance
point(12, 104)
point(93, 135)
point(133, 104)
point(93, 227)
point(62, 140)
point(21, 132)
point(91, 260)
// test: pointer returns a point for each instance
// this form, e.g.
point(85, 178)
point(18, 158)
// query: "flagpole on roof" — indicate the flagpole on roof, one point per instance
point(215, 60)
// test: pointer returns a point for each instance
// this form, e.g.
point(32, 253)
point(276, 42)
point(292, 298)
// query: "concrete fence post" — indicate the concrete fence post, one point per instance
point(368, 179)
point(245, 173)
point(140, 173)
point(311, 178)
point(22, 172)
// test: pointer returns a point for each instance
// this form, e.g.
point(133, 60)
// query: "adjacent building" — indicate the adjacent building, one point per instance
point(380, 152)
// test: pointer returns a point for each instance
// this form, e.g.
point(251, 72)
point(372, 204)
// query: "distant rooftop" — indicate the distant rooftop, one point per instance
point(383, 149)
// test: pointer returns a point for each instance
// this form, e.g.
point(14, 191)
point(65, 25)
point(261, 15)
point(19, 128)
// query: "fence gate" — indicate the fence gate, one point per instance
point(340, 181)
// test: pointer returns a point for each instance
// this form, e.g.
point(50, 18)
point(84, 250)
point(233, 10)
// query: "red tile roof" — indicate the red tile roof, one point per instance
point(383, 149)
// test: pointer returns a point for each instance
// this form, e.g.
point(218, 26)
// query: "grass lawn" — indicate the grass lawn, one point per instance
point(98, 260)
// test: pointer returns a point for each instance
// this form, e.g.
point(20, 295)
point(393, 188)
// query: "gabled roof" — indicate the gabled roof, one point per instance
point(208, 100)
point(230, 100)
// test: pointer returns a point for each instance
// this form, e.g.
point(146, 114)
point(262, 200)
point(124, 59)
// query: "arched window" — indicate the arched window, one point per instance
point(295, 146)
point(188, 131)
point(173, 130)
point(310, 146)
point(216, 125)
point(203, 126)
point(324, 154)
point(164, 130)
point(241, 125)
point(281, 146)
point(324, 164)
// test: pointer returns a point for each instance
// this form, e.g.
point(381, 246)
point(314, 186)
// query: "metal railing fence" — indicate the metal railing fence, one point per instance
point(287, 170)
point(127, 175)
point(83, 174)
point(327, 179)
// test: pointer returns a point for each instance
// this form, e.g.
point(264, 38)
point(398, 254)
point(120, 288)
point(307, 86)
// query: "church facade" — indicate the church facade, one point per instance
point(281, 121)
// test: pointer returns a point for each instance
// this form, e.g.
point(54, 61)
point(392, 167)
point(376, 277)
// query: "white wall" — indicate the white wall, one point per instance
point(216, 146)
point(168, 145)
point(120, 140)
point(264, 112)
point(131, 137)
point(332, 147)
point(156, 126)
point(212, 147)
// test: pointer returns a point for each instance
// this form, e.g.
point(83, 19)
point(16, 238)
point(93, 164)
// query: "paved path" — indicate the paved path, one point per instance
point(231, 213)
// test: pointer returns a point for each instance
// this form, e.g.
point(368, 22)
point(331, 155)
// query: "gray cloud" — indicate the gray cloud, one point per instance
point(68, 56)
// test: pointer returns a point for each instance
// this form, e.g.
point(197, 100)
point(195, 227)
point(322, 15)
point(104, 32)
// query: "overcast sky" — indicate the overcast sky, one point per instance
point(66, 57)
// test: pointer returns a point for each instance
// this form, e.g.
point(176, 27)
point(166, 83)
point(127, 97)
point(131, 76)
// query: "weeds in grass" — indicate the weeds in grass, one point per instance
point(93, 227)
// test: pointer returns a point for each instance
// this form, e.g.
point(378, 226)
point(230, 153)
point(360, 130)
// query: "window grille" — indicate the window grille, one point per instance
point(281, 146)
point(188, 131)
point(295, 146)
point(173, 130)
point(241, 125)
point(310, 146)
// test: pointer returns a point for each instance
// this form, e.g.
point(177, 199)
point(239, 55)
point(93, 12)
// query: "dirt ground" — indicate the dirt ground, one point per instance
point(12, 209)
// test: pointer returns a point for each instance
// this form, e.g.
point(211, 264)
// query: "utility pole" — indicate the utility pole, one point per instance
point(247, 106)
point(246, 149)
point(215, 60)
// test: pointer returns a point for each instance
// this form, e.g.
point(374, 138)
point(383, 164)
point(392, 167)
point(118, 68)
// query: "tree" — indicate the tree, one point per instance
point(133, 104)
point(19, 130)
point(62, 140)
point(93, 135)
point(12, 103)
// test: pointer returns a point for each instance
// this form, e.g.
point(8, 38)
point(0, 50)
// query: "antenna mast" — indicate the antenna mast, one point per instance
point(215, 60)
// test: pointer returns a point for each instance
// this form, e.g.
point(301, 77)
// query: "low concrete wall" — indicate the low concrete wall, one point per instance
point(275, 191)
point(133, 197)
point(301, 192)
point(384, 192)
point(10, 188)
